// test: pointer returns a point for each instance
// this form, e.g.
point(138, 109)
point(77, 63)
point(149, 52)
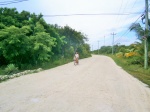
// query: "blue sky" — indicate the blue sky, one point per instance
point(96, 27)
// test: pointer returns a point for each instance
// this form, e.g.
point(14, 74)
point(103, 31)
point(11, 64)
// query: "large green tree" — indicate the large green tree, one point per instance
point(27, 40)
point(14, 44)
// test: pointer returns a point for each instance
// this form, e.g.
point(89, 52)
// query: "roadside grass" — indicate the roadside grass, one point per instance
point(44, 66)
point(59, 62)
point(136, 70)
point(49, 65)
point(4, 76)
point(10, 72)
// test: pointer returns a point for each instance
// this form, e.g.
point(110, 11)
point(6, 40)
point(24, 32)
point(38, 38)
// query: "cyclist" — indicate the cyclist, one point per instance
point(76, 58)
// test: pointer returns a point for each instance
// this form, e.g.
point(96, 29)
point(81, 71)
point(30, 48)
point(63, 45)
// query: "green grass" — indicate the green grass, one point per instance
point(32, 69)
point(137, 71)
point(2, 70)
point(44, 66)
point(56, 63)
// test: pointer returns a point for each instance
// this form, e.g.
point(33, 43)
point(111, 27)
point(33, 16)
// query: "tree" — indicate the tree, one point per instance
point(27, 40)
point(42, 45)
point(13, 44)
point(140, 32)
point(137, 28)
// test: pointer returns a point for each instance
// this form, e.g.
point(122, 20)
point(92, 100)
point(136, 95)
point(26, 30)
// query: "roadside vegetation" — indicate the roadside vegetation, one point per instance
point(136, 70)
point(131, 58)
point(27, 42)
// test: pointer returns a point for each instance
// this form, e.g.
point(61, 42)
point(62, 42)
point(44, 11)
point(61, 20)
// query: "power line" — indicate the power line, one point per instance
point(11, 2)
point(134, 4)
point(129, 13)
point(122, 12)
point(8, 1)
point(130, 9)
point(127, 31)
point(119, 11)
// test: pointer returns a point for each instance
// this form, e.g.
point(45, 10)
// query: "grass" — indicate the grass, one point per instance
point(137, 71)
point(44, 66)
point(4, 76)
point(56, 63)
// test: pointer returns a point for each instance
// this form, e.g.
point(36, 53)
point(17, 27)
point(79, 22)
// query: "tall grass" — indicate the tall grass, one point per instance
point(10, 69)
point(56, 63)
point(136, 70)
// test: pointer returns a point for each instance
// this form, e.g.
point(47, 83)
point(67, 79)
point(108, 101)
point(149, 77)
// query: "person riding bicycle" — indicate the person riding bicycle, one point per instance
point(76, 56)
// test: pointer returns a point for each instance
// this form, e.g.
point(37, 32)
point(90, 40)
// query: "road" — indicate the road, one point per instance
point(97, 84)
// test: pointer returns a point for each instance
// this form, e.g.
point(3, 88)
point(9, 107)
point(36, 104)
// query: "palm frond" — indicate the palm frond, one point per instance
point(136, 27)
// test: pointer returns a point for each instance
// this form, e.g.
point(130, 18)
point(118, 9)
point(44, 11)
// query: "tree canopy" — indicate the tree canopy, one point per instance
point(26, 39)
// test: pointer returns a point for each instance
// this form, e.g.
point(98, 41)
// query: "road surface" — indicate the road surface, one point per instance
point(97, 84)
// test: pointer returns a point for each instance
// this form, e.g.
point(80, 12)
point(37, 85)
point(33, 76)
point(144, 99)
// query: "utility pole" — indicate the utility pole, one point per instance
point(146, 36)
point(113, 43)
point(104, 40)
point(91, 47)
point(98, 47)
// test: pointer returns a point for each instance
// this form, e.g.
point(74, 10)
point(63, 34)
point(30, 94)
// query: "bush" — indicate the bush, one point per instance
point(135, 60)
point(11, 69)
point(119, 54)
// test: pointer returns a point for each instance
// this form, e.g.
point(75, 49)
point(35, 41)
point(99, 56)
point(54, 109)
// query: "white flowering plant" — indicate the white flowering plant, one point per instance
point(6, 77)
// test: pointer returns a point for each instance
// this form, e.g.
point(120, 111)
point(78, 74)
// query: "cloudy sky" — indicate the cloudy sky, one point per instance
point(98, 19)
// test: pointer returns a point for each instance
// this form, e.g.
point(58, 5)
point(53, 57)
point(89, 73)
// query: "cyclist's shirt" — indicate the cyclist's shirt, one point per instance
point(77, 55)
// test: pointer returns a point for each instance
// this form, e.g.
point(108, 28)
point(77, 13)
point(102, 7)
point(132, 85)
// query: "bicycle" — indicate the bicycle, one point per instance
point(76, 61)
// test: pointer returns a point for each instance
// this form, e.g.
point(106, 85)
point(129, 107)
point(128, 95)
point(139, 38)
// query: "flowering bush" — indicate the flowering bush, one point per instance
point(120, 54)
point(6, 77)
point(130, 54)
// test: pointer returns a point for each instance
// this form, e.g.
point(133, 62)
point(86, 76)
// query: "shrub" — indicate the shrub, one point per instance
point(135, 60)
point(11, 69)
point(120, 54)
point(130, 54)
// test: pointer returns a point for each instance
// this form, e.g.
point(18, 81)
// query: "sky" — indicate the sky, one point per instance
point(98, 19)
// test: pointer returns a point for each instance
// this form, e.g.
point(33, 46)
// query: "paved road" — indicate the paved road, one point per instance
point(96, 85)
